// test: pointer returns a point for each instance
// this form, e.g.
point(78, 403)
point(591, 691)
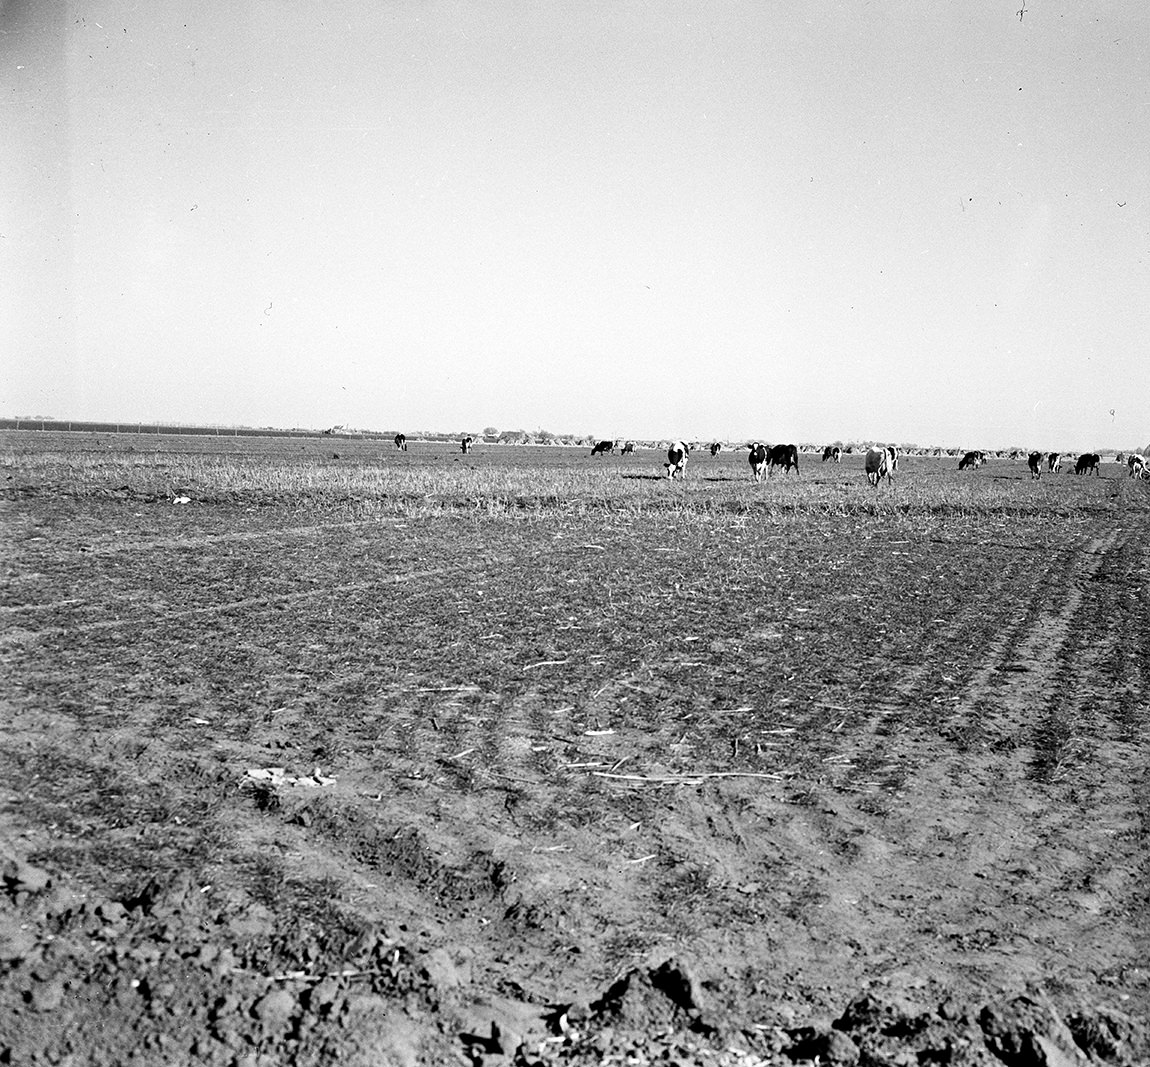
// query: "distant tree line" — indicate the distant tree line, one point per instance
point(490, 435)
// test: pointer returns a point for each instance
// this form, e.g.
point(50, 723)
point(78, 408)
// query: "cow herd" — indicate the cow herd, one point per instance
point(880, 462)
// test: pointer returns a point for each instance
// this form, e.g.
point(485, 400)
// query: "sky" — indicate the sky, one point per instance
point(920, 223)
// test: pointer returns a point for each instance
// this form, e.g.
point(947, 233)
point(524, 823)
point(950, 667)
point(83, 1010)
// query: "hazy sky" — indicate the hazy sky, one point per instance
point(916, 222)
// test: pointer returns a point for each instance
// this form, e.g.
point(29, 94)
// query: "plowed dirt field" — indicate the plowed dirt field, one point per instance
point(524, 757)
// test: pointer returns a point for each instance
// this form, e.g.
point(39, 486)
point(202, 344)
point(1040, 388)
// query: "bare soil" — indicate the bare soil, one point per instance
point(283, 782)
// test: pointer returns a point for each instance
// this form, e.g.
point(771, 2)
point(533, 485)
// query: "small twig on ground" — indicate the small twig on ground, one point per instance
point(546, 663)
point(460, 755)
point(304, 976)
point(685, 779)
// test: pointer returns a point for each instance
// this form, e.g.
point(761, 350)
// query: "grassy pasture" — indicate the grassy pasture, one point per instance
point(373, 475)
point(545, 718)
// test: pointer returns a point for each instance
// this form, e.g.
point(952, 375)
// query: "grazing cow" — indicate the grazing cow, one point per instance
point(1088, 463)
point(972, 459)
point(785, 456)
point(603, 448)
point(629, 448)
point(1137, 465)
point(465, 444)
point(677, 458)
point(881, 463)
point(1054, 462)
point(758, 460)
point(1034, 462)
point(832, 452)
point(716, 448)
point(401, 442)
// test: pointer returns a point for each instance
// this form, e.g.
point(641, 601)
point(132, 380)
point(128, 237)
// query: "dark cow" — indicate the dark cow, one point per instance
point(972, 459)
point(758, 460)
point(881, 463)
point(603, 448)
point(629, 448)
point(1137, 465)
point(1088, 463)
point(465, 444)
point(1034, 462)
point(401, 442)
point(1054, 462)
point(785, 456)
point(677, 458)
point(832, 452)
point(716, 448)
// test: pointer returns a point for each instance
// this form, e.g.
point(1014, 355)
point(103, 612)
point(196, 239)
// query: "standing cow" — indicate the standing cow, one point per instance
point(677, 458)
point(972, 459)
point(716, 448)
point(1034, 462)
point(1088, 463)
point(629, 448)
point(833, 453)
point(1137, 465)
point(466, 443)
point(881, 463)
point(758, 460)
point(401, 442)
point(785, 456)
point(603, 448)
point(1054, 462)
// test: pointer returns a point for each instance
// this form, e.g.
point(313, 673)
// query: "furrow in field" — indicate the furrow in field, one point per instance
point(1014, 852)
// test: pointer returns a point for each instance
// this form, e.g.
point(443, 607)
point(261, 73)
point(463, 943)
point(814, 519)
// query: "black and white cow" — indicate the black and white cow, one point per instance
point(677, 456)
point(401, 442)
point(881, 463)
point(1137, 465)
point(629, 448)
point(603, 448)
point(832, 452)
point(758, 460)
point(1088, 463)
point(466, 443)
point(972, 459)
point(1054, 462)
point(716, 448)
point(785, 456)
point(1034, 462)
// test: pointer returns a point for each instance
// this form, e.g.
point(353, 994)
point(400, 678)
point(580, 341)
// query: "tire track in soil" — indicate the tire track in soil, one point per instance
point(271, 600)
point(1013, 872)
point(19, 632)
